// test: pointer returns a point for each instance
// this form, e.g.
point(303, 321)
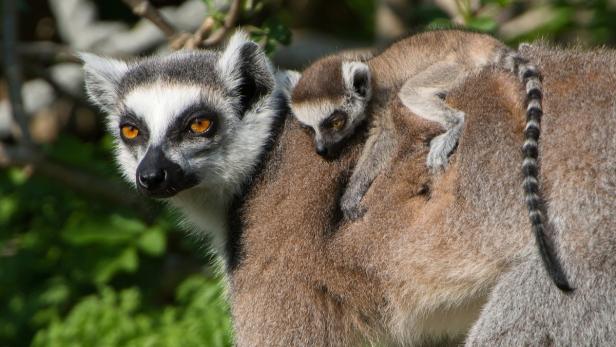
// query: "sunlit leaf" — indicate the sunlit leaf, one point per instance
point(152, 241)
point(484, 24)
point(126, 261)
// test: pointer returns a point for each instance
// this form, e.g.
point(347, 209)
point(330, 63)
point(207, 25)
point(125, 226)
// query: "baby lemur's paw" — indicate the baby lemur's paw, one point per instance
point(439, 152)
point(442, 145)
point(351, 208)
point(354, 213)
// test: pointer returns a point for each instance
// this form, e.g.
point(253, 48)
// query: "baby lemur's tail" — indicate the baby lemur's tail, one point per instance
point(531, 79)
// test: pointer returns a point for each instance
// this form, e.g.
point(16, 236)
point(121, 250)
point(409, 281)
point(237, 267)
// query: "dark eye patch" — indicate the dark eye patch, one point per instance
point(130, 118)
point(328, 122)
point(180, 129)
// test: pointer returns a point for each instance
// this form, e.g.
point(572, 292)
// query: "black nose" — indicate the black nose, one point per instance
point(321, 150)
point(152, 179)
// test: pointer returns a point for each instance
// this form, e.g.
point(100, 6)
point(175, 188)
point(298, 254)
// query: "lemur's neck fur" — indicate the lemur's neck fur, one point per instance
point(216, 210)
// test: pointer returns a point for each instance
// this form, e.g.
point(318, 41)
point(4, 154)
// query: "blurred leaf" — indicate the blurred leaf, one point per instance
point(56, 292)
point(82, 229)
point(17, 176)
point(484, 24)
point(502, 3)
point(8, 207)
point(70, 150)
point(126, 261)
point(440, 23)
point(278, 31)
point(152, 241)
point(272, 34)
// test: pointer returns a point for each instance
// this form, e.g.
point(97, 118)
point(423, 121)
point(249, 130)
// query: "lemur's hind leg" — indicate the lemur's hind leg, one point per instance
point(422, 94)
point(375, 157)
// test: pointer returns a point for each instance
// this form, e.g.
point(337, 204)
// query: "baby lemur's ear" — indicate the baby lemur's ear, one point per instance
point(246, 70)
point(102, 77)
point(287, 80)
point(356, 76)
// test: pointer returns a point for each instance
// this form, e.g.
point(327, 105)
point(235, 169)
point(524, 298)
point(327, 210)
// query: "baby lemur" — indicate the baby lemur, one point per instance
point(338, 93)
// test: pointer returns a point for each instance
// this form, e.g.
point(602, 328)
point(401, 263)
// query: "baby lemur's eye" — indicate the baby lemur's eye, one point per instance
point(337, 121)
point(201, 126)
point(129, 132)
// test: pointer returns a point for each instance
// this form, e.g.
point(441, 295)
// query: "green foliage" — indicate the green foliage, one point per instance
point(586, 22)
point(79, 270)
point(119, 319)
point(272, 34)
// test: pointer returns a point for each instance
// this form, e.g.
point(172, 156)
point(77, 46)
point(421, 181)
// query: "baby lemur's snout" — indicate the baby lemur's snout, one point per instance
point(328, 151)
point(321, 149)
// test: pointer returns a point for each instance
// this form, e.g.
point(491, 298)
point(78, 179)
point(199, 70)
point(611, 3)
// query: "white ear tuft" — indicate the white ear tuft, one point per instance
point(246, 70)
point(524, 45)
point(102, 76)
point(357, 78)
point(231, 57)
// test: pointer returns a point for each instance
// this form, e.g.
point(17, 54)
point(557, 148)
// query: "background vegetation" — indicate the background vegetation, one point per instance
point(83, 260)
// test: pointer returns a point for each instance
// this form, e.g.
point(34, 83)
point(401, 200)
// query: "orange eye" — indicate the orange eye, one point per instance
point(130, 132)
point(338, 123)
point(201, 126)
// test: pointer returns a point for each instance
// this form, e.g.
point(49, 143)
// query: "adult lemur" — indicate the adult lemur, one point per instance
point(336, 94)
point(201, 128)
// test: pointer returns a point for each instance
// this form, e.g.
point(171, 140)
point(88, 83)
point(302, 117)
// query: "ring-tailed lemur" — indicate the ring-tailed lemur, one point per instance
point(337, 94)
point(191, 127)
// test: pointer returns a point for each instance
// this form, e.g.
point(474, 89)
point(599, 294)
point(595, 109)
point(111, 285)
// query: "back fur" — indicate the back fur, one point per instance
point(430, 249)
point(424, 253)
point(579, 185)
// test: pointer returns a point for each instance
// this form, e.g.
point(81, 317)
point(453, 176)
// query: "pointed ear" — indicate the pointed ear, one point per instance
point(102, 77)
point(357, 78)
point(246, 70)
point(287, 79)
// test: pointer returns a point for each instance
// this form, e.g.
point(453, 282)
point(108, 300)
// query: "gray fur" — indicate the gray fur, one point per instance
point(375, 158)
point(579, 170)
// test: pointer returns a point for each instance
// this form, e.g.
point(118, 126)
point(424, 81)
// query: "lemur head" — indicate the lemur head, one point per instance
point(331, 99)
point(189, 119)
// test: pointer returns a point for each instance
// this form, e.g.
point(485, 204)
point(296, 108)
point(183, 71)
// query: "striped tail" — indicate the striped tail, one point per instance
point(530, 167)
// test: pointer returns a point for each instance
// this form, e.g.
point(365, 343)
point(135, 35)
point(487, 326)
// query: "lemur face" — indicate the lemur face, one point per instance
point(184, 120)
point(171, 137)
point(334, 118)
point(330, 122)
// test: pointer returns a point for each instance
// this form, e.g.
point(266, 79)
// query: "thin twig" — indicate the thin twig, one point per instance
point(230, 19)
point(12, 69)
point(143, 8)
point(200, 38)
point(199, 35)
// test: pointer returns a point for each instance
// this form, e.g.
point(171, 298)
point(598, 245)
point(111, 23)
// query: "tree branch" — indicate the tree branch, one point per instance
point(201, 33)
point(12, 68)
point(143, 8)
point(232, 16)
